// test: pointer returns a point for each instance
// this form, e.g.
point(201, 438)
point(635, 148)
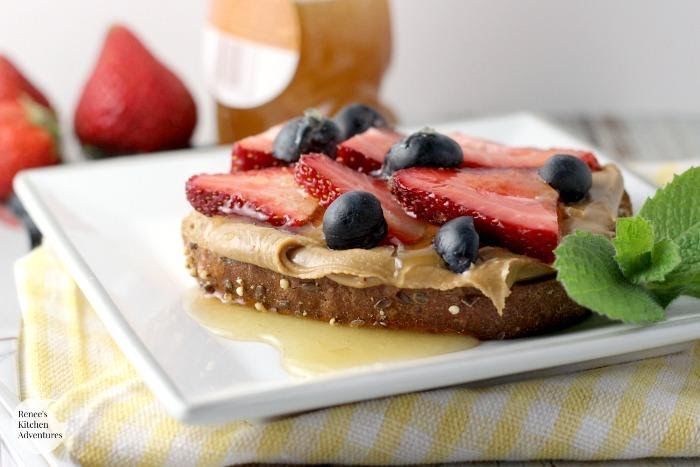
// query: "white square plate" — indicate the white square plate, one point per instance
point(116, 226)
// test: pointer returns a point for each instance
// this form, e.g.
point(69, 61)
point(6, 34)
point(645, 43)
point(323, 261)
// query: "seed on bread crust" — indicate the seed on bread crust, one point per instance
point(404, 297)
point(420, 298)
point(470, 300)
point(382, 304)
point(309, 286)
point(259, 292)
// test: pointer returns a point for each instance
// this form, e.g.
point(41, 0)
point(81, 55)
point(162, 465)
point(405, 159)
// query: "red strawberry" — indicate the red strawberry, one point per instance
point(267, 194)
point(255, 152)
point(365, 152)
point(14, 85)
point(483, 153)
point(132, 102)
point(326, 179)
point(8, 218)
point(27, 139)
point(512, 207)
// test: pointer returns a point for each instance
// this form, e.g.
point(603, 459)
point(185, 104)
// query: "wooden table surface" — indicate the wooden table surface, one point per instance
point(638, 138)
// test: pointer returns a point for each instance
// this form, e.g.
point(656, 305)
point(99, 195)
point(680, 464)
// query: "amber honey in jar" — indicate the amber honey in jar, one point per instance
point(268, 60)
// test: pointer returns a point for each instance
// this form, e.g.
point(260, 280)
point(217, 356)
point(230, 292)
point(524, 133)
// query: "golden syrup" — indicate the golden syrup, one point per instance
point(310, 347)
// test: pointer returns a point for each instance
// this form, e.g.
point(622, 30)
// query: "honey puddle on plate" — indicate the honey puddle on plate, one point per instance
point(310, 347)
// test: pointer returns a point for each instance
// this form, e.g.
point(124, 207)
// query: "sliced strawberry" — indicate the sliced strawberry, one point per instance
point(483, 153)
point(255, 152)
point(365, 152)
point(512, 207)
point(267, 194)
point(326, 179)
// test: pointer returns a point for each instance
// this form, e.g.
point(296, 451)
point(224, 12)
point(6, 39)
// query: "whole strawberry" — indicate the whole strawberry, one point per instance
point(132, 102)
point(28, 138)
point(14, 85)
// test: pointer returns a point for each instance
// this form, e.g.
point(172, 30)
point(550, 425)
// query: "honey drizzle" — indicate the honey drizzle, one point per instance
point(308, 347)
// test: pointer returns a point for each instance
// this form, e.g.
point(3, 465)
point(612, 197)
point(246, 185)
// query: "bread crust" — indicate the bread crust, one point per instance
point(533, 307)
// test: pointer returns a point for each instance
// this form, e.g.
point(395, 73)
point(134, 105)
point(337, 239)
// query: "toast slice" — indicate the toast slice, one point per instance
point(386, 231)
point(532, 307)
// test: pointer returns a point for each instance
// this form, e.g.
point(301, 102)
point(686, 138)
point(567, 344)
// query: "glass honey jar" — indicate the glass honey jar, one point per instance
point(268, 60)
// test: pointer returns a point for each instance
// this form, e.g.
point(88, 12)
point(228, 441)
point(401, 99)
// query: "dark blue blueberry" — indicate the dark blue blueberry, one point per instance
point(307, 134)
point(354, 220)
point(569, 175)
point(457, 243)
point(357, 118)
point(425, 148)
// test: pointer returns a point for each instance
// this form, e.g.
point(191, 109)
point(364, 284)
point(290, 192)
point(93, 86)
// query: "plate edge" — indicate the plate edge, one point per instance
point(127, 340)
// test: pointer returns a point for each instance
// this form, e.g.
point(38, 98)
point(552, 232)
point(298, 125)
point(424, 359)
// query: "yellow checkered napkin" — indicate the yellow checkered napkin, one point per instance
point(648, 408)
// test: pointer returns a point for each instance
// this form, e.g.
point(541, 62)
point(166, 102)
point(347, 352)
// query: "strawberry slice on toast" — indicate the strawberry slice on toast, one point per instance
point(269, 195)
point(365, 152)
point(513, 208)
point(255, 152)
point(483, 153)
point(326, 179)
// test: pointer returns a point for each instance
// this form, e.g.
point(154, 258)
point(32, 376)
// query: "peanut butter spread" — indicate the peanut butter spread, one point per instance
point(598, 212)
point(303, 254)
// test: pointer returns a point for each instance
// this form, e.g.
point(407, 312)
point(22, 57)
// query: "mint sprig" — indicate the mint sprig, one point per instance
point(654, 257)
point(587, 268)
point(639, 257)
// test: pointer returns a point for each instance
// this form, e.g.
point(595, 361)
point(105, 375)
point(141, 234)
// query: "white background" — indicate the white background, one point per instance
point(451, 57)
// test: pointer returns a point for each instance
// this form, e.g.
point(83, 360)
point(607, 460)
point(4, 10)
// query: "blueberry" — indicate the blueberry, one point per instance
point(457, 243)
point(354, 220)
point(569, 175)
point(425, 148)
point(357, 118)
point(303, 135)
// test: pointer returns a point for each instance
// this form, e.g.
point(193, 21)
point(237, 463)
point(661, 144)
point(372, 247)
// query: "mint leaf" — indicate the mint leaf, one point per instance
point(665, 258)
point(656, 257)
point(633, 242)
point(686, 277)
point(675, 209)
point(590, 276)
point(674, 213)
point(639, 258)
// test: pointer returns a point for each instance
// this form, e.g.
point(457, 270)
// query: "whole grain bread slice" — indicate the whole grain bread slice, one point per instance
point(533, 307)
